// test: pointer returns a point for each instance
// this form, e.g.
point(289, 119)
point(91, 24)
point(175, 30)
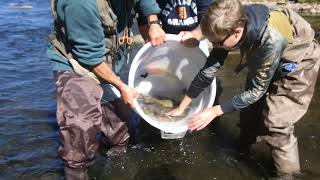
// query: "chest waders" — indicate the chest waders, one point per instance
point(109, 22)
point(273, 117)
point(81, 116)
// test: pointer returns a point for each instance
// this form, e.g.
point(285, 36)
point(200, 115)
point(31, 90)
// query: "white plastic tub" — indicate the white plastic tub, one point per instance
point(178, 65)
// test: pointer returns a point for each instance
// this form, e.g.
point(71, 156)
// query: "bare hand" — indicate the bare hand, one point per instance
point(128, 94)
point(156, 35)
point(202, 119)
point(176, 112)
point(188, 39)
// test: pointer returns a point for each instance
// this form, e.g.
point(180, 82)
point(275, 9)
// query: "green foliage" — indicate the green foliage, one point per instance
point(314, 21)
point(308, 1)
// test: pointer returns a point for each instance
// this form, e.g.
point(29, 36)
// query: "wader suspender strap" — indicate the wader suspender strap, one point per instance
point(53, 9)
point(58, 45)
point(109, 21)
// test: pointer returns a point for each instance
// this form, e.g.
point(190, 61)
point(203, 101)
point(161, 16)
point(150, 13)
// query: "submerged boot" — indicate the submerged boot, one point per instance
point(76, 174)
point(118, 150)
point(114, 128)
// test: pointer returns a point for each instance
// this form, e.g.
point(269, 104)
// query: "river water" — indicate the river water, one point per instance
point(29, 134)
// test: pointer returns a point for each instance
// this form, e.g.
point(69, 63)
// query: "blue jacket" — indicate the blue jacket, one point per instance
point(84, 30)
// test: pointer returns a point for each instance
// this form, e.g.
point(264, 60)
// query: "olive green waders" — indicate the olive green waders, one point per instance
point(272, 118)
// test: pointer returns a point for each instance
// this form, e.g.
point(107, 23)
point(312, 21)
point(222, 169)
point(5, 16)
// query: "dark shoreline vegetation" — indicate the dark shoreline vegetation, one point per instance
point(305, 7)
point(314, 21)
point(284, 1)
point(29, 132)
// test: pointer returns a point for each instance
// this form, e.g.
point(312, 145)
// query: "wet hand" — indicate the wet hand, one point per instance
point(176, 112)
point(188, 39)
point(156, 35)
point(202, 119)
point(128, 95)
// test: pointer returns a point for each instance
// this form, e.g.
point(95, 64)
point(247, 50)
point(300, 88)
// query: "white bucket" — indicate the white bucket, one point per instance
point(180, 65)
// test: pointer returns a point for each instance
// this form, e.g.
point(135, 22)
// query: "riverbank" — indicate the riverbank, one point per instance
point(301, 8)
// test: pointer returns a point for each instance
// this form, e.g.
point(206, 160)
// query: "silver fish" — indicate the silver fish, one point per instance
point(157, 107)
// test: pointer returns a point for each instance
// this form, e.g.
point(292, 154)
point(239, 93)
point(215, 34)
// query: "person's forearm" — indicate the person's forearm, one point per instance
point(143, 29)
point(217, 110)
point(153, 17)
point(104, 72)
point(185, 102)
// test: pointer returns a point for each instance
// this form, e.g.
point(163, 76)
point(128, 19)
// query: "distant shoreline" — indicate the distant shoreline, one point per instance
point(302, 8)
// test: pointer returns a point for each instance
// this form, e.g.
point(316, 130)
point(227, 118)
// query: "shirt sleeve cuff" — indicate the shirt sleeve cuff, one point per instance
point(194, 92)
point(149, 8)
point(92, 62)
point(228, 107)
